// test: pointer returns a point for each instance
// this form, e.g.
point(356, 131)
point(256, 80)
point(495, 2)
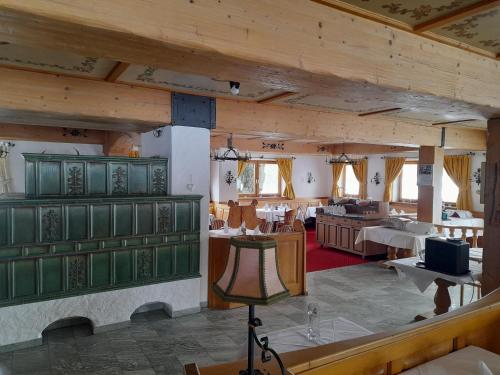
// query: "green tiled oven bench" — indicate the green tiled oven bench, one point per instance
point(55, 248)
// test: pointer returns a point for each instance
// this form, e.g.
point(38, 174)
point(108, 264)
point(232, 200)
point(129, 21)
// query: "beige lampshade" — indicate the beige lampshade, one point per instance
point(251, 275)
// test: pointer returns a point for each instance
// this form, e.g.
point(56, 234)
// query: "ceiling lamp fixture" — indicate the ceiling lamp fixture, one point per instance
point(231, 153)
point(235, 87)
point(342, 159)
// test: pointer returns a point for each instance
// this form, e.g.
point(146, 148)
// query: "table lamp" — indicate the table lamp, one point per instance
point(252, 277)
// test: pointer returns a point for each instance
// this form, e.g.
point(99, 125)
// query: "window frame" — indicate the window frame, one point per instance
point(344, 172)
point(446, 203)
point(256, 181)
point(400, 185)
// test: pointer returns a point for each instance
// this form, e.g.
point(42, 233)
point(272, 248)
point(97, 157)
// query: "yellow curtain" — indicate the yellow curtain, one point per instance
point(393, 167)
point(337, 170)
point(360, 170)
point(459, 170)
point(241, 167)
point(285, 171)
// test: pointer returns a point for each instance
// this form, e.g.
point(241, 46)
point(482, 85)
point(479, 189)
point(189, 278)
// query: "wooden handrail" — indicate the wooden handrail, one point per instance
point(463, 229)
point(393, 351)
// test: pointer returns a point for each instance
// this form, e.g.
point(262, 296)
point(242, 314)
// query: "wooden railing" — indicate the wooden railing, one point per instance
point(464, 231)
point(395, 351)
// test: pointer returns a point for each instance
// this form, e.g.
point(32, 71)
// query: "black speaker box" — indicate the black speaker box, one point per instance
point(447, 256)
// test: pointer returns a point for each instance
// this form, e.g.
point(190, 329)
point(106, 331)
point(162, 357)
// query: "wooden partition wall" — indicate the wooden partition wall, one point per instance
point(392, 352)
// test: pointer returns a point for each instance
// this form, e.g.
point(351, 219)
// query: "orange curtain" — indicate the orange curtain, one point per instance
point(360, 171)
point(459, 169)
point(285, 167)
point(393, 167)
point(337, 170)
point(241, 167)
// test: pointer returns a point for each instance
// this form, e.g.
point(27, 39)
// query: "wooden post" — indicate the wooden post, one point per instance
point(429, 196)
point(491, 255)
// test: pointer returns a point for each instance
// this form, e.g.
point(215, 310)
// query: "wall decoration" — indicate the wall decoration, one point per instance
point(273, 146)
point(77, 272)
point(75, 181)
point(144, 264)
point(164, 219)
point(50, 226)
point(119, 181)
point(229, 177)
point(476, 176)
point(159, 181)
point(310, 179)
point(377, 179)
point(75, 132)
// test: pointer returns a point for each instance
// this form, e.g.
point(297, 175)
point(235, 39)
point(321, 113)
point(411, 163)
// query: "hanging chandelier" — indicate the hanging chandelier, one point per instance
point(230, 154)
point(342, 159)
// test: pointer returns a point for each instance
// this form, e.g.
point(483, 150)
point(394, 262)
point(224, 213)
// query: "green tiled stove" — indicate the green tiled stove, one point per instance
point(90, 224)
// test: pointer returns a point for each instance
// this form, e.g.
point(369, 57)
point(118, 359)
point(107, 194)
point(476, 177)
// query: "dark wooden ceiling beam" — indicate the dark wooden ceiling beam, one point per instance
point(461, 13)
point(117, 71)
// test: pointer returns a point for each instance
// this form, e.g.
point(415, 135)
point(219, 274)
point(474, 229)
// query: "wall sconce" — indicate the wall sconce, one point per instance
point(190, 185)
point(4, 148)
point(377, 179)
point(229, 177)
point(310, 179)
point(476, 176)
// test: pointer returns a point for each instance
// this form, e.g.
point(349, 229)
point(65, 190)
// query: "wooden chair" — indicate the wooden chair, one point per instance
point(284, 229)
point(217, 224)
point(287, 219)
point(265, 227)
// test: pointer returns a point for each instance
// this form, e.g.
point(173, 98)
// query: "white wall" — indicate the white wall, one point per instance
point(322, 173)
point(188, 150)
point(15, 160)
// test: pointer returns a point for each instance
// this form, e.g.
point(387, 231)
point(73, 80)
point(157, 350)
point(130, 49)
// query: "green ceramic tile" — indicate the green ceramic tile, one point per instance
point(101, 221)
point(123, 219)
point(144, 218)
point(64, 248)
point(195, 258)
point(97, 178)
point(52, 275)
point(100, 269)
point(119, 178)
point(138, 178)
point(123, 267)
point(191, 236)
point(182, 216)
point(196, 215)
point(164, 261)
point(145, 261)
point(25, 278)
point(112, 244)
point(24, 225)
point(77, 271)
point(76, 222)
point(4, 284)
point(74, 178)
point(30, 178)
point(133, 242)
point(182, 261)
point(4, 227)
point(37, 250)
point(154, 240)
point(49, 178)
point(10, 252)
point(89, 246)
point(159, 179)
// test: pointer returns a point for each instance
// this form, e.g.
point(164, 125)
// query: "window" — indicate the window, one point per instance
point(449, 191)
point(351, 184)
point(259, 179)
point(408, 183)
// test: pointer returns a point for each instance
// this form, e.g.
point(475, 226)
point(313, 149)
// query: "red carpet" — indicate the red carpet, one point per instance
point(319, 259)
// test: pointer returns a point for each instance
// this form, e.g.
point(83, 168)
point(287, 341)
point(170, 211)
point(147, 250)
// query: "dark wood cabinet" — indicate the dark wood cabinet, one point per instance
point(340, 232)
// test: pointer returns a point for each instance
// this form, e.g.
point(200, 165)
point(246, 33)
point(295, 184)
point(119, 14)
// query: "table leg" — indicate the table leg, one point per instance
point(391, 255)
point(406, 253)
point(442, 299)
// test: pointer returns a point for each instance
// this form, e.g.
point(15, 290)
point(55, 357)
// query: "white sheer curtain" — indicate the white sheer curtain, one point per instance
point(4, 176)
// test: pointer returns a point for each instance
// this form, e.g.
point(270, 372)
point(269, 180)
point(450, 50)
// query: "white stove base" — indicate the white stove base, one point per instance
point(22, 325)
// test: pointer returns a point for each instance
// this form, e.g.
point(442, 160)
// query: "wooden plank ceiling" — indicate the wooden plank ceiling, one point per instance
point(466, 22)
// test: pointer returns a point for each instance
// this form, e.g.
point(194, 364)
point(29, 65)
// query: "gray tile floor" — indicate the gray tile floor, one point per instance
point(154, 344)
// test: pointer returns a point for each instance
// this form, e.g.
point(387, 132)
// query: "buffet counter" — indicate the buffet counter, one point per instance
point(291, 261)
point(341, 231)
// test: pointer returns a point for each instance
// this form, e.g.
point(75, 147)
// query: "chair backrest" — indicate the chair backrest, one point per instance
point(284, 229)
point(290, 217)
point(265, 227)
point(217, 224)
point(249, 215)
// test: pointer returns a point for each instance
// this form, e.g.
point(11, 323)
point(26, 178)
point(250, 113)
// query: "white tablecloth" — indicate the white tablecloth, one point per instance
point(311, 212)
point(422, 277)
point(393, 237)
point(465, 361)
point(295, 338)
point(270, 215)
point(219, 233)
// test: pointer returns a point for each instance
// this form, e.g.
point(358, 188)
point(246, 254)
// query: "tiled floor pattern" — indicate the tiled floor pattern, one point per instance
point(154, 344)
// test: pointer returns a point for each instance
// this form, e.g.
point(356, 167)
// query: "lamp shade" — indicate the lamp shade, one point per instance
point(251, 275)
